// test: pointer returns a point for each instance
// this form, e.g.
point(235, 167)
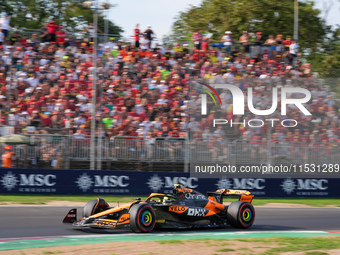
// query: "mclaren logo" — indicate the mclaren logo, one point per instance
point(124, 217)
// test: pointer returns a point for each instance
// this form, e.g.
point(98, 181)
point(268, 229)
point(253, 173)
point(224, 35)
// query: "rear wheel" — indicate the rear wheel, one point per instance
point(95, 206)
point(142, 218)
point(241, 214)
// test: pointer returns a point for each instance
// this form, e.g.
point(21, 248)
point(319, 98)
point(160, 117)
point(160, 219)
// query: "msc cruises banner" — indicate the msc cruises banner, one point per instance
point(75, 182)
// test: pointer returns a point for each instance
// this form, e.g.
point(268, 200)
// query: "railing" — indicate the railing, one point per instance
point(284, 152)
point(30, 32)
point(218, 44)
point(58, 151)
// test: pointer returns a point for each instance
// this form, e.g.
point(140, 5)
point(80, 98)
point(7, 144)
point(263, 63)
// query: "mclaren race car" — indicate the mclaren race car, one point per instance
point(184, 208)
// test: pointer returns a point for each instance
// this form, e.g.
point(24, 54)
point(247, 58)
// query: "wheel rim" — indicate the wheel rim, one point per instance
point(247, 215)
point(147, 218)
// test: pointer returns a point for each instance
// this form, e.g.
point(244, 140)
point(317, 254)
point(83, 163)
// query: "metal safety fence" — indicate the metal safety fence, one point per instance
point(57, 151)
point(284, 152)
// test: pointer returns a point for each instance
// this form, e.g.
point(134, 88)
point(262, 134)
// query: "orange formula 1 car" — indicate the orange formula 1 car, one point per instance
point(185, 208)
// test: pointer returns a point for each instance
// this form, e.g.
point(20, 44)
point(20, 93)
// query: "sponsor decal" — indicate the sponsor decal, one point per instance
point(194, 196)
point(184, 190)
point(178, 209)
point(84, 182)
point(197, 212)
point(305, 186)
point(106, 223)
point(37, 180)
point(9, 181)
point(111, 181)
point(156, 183)
point(124, 217)
point(29, 182)
point(103, 183)
point(241, 183)
point(288, 186)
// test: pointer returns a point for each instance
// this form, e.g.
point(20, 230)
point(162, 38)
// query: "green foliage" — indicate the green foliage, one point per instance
point(317, 40)
point(270, 17)
point(34, 14)
point(328, 55)
point(326, 61)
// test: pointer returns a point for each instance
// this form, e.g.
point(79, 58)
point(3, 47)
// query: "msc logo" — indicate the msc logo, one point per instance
point(156, 182)
point(111, 181)
point(290, 185)
point(10, 180)
point(85, 181)
point(244, 183)
point(37, 180)
point(197, 212)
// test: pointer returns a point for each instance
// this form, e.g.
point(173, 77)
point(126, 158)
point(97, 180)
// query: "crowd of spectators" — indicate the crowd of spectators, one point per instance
point(46, 81)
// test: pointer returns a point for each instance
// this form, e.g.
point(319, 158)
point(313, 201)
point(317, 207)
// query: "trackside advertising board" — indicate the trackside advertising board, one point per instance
point(76, 182)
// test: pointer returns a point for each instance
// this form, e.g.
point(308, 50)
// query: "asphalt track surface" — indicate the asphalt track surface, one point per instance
point(45, 221)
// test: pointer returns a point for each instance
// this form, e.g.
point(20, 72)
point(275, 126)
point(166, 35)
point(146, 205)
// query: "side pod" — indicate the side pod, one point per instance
point(71, 216)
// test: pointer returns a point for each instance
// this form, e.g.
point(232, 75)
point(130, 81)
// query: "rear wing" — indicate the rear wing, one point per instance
point(218, 195)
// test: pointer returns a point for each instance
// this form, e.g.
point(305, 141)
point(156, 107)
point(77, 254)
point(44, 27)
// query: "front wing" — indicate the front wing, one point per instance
point(122, 222)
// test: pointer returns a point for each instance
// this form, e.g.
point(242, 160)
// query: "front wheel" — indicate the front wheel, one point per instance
point(241, 214)
point(95, 206)
point(142, 218)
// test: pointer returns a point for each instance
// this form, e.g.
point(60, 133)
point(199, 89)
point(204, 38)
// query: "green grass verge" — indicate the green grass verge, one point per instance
point(294, 244)
point(278, 245)
point(317, 202)
point(40, 199)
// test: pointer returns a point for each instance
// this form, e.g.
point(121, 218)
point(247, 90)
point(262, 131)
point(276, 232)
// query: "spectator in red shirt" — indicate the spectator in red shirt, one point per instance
point(136, 33)
point(51, 31)
point(286, 43)
point(205, 44)
point(61, 35)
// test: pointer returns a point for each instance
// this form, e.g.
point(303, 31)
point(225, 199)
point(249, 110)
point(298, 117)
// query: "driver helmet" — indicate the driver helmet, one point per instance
point(166, 200)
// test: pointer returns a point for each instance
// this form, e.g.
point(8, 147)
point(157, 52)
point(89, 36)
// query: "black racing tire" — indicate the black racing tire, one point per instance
point(142, 218)
point(94, 206)
point(240, 214)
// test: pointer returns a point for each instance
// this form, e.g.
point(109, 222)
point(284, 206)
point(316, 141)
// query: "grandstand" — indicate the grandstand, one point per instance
point(149, 105)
